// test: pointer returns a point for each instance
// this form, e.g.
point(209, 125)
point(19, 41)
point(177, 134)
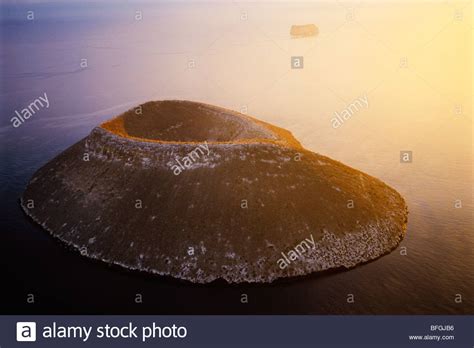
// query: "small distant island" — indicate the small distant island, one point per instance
point(199, 192)
point(305, 30)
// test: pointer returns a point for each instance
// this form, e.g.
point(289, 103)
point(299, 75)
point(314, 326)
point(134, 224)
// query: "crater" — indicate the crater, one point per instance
point(186, 121)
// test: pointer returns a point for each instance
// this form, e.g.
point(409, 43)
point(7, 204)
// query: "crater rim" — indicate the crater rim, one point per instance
point(131, 127)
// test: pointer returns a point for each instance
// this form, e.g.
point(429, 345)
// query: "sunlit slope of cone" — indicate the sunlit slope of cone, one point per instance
point(256, 194)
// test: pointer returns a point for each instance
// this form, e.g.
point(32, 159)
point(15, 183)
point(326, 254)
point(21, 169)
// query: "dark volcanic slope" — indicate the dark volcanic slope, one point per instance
point(251, 195)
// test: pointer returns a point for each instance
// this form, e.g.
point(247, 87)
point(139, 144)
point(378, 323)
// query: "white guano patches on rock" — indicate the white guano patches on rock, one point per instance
point(218, 254)
point(329, 252)
point(268, 161)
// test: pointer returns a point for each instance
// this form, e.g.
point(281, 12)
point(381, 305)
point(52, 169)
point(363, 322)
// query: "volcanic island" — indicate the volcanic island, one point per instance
point(200, 193)
point(302, 31)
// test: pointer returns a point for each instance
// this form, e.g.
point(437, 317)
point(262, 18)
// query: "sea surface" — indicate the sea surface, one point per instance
point(413, 63)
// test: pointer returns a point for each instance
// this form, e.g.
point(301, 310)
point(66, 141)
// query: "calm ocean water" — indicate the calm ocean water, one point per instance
point(238, 56)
